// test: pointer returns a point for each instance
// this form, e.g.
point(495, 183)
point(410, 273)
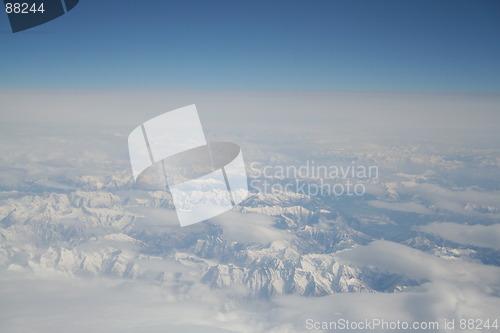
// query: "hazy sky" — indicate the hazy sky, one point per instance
point(255, 45)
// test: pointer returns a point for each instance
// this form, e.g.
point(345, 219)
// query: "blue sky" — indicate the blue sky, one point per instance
point(260, 45)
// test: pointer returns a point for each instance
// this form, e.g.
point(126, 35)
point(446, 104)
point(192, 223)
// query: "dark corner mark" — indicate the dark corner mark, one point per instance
point(26, 14)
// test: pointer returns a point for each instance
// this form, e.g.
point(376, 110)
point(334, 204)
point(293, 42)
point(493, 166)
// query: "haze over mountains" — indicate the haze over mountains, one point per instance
point(79, 239)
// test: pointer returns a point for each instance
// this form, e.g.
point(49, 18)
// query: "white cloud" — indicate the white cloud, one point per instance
point(465, 201)
point(57, 305)
point(454, 289)
point(249, 228)
point(478, 235)
point(398, 258)
point(435, 301)
point(407, 207)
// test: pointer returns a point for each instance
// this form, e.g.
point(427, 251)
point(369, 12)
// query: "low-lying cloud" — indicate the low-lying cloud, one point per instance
point(477, 235)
